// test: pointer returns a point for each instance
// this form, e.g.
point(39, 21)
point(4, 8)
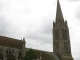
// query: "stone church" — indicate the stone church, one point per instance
point(14, 49)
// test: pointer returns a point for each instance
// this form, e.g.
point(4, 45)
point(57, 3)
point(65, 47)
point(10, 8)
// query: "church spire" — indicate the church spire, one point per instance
point(61, 40)
point(59, 15)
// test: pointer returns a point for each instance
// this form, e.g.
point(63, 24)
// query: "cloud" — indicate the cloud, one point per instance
point(75, 35)
point(74, 28)
point(44, 32)
point(73, 0)
point(78, 13)
point(47, 24)
point(40, 34)
point(3, 26)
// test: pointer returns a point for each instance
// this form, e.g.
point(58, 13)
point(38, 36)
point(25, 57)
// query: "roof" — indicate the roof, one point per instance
point(10, 42)
point(45, 55)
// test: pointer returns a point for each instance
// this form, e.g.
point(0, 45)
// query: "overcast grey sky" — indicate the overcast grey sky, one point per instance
point(33, 20)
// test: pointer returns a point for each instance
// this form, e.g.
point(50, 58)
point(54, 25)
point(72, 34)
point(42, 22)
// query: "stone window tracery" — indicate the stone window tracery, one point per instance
point(9, 52)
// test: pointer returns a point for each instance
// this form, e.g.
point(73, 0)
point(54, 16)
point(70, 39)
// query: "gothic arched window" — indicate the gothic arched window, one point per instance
point(9, 52)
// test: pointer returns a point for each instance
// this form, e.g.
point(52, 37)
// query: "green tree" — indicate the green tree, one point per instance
point(30, 55)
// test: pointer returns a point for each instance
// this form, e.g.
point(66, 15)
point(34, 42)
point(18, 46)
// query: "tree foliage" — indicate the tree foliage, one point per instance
point(30, 55)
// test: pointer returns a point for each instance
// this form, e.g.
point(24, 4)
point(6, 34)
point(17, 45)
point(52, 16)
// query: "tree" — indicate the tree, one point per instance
point(30, 55)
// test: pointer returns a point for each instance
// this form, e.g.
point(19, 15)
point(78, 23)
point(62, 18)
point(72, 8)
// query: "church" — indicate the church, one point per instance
point(14, 49)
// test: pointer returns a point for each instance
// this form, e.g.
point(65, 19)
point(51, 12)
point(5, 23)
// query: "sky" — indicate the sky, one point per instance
point(33, 19)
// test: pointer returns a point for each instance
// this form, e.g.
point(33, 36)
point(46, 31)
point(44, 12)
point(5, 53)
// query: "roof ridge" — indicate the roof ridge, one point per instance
point(39, 50)
point(11, 38)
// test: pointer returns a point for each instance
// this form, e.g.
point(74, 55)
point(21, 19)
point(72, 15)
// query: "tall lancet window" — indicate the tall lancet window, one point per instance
point(65, 47)
point(57, 34)
point(64, 33)
point(57, 46)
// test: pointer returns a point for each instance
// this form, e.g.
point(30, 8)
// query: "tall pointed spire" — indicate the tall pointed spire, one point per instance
point(59, 15)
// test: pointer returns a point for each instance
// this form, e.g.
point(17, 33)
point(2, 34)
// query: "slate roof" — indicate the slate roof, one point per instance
point(45, 55)
point(10, 42)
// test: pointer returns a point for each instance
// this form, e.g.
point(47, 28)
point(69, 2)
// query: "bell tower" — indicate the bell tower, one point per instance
point(61, 40)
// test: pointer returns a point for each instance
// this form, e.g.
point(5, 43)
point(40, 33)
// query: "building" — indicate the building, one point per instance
point(61, 40)
point(11, 49)
point(14, 49)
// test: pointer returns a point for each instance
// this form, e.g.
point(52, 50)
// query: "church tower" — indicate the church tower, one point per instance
point(61, 40)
